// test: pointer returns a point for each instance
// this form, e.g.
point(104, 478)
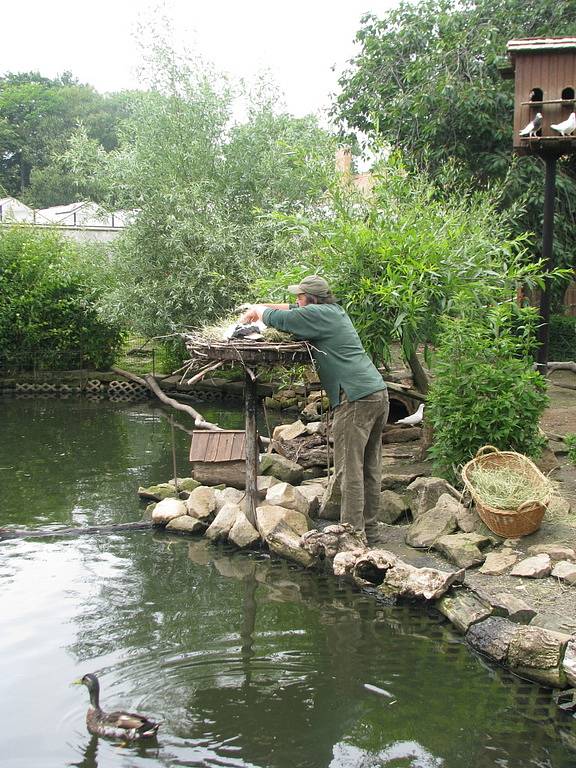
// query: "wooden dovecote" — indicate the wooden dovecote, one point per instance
point(544, 72)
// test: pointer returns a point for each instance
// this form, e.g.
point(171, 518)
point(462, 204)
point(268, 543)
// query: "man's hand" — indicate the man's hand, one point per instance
point(253, 313)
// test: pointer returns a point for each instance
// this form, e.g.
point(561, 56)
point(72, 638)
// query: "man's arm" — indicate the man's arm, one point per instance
point(254, 312)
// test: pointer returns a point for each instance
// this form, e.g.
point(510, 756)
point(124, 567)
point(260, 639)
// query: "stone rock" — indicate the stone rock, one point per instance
point(243, 534)
point(405, 580)
point(554, 551)
point(158, 492)
point(291, 431)
point(467, 519)
point(565, 571)
point(281, 468)
point(316, 428)
point(149, 509)
point(424, 493)
point(512, 607)
point(313, 493)
point(202, 503)
point(557, 622)
point(492, 637)
point(229, 496)
point(401, 434)
point(429, 527)
point(463, 608)
point(268, 517)
point(186, 483)
point(463, 549)
point(167, 510)
point(222, 524)
point(547, 462)
point(569, 662)
point(284, 541)
point(559, 507)
point(497, 563)
point(536, 567)
point(332, 540)
point(392, 506)
point(314, 473)
point(286, 495)
point(323, 481)
point(186, 524)
point(263, 482)
point(537, 653)
point(392, 481)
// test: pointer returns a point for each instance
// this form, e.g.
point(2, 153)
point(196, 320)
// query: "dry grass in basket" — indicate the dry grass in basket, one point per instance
point(505, 488)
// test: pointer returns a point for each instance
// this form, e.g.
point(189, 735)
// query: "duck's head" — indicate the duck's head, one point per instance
point(91, 682)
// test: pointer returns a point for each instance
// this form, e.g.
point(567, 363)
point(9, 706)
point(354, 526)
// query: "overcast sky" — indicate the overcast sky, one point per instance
point(299, 41)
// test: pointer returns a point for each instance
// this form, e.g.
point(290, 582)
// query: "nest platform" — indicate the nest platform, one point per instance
point(247, 352)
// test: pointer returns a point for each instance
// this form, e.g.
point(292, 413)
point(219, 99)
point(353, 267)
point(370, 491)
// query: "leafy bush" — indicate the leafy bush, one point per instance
point(562, 338)
point(485, 392)
point(49, 289)
point(570, 441)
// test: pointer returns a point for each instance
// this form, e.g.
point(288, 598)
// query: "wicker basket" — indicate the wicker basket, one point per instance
point(509, 523)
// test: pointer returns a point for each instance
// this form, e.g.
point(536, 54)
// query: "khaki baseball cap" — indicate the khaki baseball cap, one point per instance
point(313, 285)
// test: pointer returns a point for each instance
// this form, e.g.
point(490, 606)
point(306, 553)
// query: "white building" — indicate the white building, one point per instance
point(82, 221)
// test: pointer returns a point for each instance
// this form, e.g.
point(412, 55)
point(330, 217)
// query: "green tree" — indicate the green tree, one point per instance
point(37, 117)
point(406, 256)
point(201, 184)
point(427, 79)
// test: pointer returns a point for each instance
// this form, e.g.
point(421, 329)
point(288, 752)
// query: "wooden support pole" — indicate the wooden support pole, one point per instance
point(548, 257)
point(252, 453)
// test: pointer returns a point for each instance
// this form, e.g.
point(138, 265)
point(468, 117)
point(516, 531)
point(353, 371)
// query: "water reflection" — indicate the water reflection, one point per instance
point(248, 661)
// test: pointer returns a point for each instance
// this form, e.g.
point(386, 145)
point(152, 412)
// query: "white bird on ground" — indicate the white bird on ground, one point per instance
point(533, 126)
point(413, 419)
point(567, 127)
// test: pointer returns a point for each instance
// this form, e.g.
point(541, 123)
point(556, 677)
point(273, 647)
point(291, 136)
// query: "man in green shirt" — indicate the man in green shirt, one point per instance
point(355, 388)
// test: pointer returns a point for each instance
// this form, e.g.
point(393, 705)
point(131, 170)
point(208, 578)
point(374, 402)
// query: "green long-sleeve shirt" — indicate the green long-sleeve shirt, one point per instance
point(340, 357)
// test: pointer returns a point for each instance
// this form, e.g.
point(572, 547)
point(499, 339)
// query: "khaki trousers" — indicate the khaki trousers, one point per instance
point(357, 431)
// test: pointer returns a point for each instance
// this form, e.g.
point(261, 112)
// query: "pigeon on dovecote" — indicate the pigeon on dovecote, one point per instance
point(533, 126)
point(414, 418)
point(567, 127)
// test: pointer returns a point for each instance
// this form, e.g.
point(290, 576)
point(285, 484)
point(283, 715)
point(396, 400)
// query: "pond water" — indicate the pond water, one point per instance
point(248, 661)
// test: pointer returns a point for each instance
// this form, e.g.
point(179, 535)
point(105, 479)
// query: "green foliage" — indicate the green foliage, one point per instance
point(562, 338)
point(201, 186)
point(49, 290)
point(405, 256)
point(570, 440)
point(427, 79)
point(485, 391)
point(37, 118)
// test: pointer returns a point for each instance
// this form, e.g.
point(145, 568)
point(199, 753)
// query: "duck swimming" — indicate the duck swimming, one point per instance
point(128, 726)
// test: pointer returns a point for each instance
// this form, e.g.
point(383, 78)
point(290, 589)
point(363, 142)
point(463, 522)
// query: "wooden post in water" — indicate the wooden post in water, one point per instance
point(252, 452)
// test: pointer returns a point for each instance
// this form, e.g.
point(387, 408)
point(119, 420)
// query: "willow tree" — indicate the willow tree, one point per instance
point(405, 256)
point(200, 182)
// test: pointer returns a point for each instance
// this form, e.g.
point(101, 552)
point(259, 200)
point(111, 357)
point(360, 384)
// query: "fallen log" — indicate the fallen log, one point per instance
point(41, 533)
